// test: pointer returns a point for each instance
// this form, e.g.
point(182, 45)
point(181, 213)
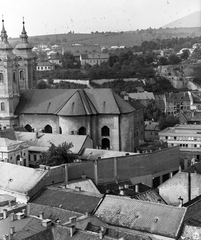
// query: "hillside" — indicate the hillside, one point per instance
point(191, 20)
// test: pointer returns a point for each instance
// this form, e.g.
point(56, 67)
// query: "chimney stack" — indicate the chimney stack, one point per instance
point(180, 201)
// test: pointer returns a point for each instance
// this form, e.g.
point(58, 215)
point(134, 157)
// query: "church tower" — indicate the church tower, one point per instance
point(27, 62)
point(9, 88)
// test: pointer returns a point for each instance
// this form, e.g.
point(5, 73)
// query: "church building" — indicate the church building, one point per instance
point(99, 113)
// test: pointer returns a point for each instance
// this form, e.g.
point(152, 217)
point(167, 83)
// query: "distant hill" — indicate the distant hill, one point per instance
point(191, 20)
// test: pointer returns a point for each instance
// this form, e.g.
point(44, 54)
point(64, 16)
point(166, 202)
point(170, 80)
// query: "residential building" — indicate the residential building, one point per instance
point(61, 204)
point(56, 59)
point(143, 97)
point(143, 218)
point(151, 131)
point(14, 151)
point(175, 102)
point(45, 66)
point(39, 142)
point(94, 58)
point(24, 182)
point(187, 137)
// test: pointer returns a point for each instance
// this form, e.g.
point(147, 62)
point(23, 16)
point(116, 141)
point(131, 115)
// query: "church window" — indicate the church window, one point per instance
point(1, 78)
point(82, 131)
point(105, 143)
point(60, 130)
point(14, 77)
point(105, 131)
point(21, 75)
point(2, 106)
point(48, 129)
point(28, 128)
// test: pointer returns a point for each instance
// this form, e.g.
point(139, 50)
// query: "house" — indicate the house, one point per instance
point(39, 142)
point(159, 98)
point(183, 185)
point(45, 66)
point(151, 131)
point(55, 59)
point(60, 203)
point(24, 182)
point(142, 97)
point(14, 151)
point(93, 58)
point(176, 102)
point(144, 218)
point(187, 137)
point(21, 226)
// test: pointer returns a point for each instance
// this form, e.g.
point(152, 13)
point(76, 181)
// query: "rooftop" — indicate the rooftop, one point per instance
point(159, 219)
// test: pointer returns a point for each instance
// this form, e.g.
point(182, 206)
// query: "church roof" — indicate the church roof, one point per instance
point(72, 102)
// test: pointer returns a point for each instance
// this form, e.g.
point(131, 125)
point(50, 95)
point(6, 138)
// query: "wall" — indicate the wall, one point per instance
point(127, 167)
point(37, 121)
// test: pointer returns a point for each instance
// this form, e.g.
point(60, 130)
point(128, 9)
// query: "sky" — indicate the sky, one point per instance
point(44, 17)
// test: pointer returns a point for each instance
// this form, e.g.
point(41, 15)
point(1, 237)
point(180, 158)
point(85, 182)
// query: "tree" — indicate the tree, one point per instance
point(57, 155)
point(42, 85)
point(173, 59)
point(152, 111)
point(185, 54)
point(167, 121)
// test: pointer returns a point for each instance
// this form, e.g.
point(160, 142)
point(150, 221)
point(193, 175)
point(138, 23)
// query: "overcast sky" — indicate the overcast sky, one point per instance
point(83, 16)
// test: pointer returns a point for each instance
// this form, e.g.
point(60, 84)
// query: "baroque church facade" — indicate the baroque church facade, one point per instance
point(99, 113)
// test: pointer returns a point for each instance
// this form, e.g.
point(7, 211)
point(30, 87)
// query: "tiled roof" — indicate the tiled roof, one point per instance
point(72, 102)
point(86, 185)
point(4, 142)
point(43, 142)
point(142, 96)
point(18, 178)
point(53, 213)
point(159, 219)
point(151, 126)
point(150, 196)
point(25, 228)
point(75, 201)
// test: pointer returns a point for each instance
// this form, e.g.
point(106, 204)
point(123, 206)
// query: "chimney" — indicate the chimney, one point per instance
point(72, 230)
point(12, 230)
point(24, 212)
point(180, 201)
point(41, 215)
point(6, 237)
point(72, 219)
point(5, 213)
point(46, 223)
point(12, 217)
point(20, 215)
point(28, 209)
point(100, 234)
point(136, 188)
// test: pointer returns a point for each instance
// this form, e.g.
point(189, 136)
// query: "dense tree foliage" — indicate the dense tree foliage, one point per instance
point(57, 155)
point(152, 111)
point(167, 121)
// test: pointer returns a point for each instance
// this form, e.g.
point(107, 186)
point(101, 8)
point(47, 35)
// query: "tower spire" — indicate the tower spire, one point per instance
point(23, 35)
point(4, 36)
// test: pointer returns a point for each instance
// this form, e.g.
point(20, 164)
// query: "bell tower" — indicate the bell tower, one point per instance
point(9, 88)
point(27, 62)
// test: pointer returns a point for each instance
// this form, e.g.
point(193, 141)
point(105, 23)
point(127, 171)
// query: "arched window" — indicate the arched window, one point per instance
point(1, 77)
point(105, 131)
point(3, 106)
point(14, 77)
point(82, 131)
point(60, 130)
point(48, 129)
point(105, 143)
point(21, 75)
point(28, 128)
